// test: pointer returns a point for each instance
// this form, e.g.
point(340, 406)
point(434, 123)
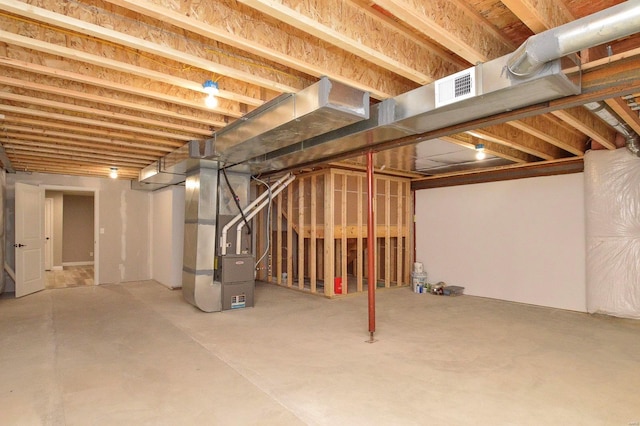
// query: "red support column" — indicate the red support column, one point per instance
point(371, 242)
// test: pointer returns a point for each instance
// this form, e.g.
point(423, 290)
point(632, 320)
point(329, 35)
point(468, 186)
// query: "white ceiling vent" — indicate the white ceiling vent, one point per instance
point(456, 87)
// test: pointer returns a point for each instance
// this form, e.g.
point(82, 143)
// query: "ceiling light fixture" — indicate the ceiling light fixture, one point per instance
point(480, 154)
point(211, 89)
point(113, 174)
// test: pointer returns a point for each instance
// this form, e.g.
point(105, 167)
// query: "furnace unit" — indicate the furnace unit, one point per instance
point(237, 280)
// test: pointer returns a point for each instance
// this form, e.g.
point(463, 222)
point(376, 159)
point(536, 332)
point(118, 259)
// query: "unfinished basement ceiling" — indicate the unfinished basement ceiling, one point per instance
point(90, 85)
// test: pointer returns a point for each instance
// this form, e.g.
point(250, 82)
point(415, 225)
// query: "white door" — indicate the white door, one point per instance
point(29, 239)
point(48, 233)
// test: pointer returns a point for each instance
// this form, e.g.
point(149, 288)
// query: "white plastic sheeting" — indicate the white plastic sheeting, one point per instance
point(612, 201)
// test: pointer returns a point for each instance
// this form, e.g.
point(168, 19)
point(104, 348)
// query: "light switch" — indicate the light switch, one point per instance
point(101, 230)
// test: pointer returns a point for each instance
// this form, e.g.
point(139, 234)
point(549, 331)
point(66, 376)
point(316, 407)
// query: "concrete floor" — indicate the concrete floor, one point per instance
point(137, 354)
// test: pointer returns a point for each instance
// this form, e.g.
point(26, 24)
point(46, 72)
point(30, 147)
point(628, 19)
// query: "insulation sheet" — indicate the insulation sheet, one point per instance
point(612, 201)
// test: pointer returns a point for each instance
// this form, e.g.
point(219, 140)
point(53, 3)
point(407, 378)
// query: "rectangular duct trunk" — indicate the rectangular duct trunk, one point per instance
point(323, 107)
point(358, 135)
point(172, 168)
point(478, 92)
point(497, 91)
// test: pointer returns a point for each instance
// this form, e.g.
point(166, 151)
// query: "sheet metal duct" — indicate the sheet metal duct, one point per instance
point(172, 168)
point(322, 107)
point(378, 128)
point(492, 90)
point(537, 72)
point(329, 118)
point(477, 92)
point(601, 27)
point(632, 139)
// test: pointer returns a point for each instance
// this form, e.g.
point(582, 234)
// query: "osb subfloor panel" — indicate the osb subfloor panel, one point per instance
point(138, 354)
point(70, 276)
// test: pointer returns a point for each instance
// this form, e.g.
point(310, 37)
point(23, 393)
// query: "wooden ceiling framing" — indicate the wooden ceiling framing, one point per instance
point(89, 85)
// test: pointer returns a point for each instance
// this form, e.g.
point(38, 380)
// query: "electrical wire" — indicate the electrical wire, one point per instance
point(237, 201)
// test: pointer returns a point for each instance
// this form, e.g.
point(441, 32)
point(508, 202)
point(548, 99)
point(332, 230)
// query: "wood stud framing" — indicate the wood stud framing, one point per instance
point(320, 233)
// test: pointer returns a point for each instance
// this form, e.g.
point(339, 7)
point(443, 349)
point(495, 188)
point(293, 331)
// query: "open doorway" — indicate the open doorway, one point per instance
point(70, 241)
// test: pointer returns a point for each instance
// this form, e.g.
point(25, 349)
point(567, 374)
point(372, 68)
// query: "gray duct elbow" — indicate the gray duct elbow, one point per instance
point(610, 24)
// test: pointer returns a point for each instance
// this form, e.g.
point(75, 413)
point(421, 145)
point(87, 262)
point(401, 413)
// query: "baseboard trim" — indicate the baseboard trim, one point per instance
point(90, 263)
point(56, 268)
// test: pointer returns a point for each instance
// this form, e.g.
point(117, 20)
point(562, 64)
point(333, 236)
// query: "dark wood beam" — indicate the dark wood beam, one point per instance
point(494, 174)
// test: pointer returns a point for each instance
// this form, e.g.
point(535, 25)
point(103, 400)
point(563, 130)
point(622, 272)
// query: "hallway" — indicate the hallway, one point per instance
point(70, 276)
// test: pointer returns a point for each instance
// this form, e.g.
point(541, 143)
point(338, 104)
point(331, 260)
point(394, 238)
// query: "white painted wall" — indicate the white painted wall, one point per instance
point(124, 215)
point(167, 235)
point(521, 240)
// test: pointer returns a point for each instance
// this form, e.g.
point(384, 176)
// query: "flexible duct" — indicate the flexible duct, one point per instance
point(632, 138)
point(602, 27)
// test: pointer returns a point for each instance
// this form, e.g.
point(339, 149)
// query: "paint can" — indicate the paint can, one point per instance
point(418, 281)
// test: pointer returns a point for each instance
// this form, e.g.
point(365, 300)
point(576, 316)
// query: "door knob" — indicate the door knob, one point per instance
point(19, 245)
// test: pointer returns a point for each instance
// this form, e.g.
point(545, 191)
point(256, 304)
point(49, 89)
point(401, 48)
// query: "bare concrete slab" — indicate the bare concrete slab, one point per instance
point(137, 353)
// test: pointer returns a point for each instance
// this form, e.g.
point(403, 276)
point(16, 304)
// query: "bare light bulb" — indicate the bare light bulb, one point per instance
point(113, 174)
point(480, 155)
point(211, 88)
point(211, 101)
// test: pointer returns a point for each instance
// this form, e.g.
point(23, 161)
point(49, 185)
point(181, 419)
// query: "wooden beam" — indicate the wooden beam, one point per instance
point(83, 26)
point(216, 121)
point(630, 117)
point(329, 232)
point(289, 236)
point(225, 22)
point(301, 218)
point(516, 138)
point(225, 106)
point(313, 269)
point(492, 148)
point(452, 25)
point(72, 169)
point(606, 61)
point(554, 131)
point(100, 61)
point(387, 233)
point(409, 232)
point(589, 124)
point(82, 146)
point(344, 24)
point(38, 149)
point(62, 106)
point(91, 122)
point(16, 155)
point(70, 131)
point(540, 15)
point(519, 171)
